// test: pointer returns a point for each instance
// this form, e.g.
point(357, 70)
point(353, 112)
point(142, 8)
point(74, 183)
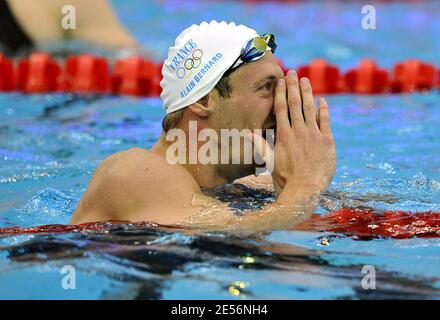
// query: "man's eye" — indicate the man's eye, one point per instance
point(267, 86)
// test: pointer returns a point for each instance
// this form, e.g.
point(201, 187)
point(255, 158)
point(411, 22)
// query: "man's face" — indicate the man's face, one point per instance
point(251, 103)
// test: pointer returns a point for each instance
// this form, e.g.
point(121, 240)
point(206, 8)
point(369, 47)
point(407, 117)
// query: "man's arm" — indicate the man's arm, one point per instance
point(304, 157)
point(96, 22)
point(138, 185)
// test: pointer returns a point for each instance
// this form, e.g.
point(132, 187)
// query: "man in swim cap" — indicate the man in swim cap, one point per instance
point(220, 76)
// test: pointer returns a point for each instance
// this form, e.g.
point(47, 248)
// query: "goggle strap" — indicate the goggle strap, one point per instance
point(247, 50)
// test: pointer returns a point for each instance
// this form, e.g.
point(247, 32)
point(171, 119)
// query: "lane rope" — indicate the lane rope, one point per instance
point(137, 76)
point(359, 224)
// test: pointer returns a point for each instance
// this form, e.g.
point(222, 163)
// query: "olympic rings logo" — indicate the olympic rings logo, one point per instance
point(190, 63)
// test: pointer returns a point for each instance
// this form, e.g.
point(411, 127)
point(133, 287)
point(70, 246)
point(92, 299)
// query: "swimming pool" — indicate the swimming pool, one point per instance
point(388, 158)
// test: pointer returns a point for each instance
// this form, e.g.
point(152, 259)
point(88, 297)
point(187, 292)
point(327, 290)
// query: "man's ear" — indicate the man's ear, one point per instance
point(204, 107)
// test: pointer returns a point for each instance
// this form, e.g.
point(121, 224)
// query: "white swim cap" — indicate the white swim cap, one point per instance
point(197, 61)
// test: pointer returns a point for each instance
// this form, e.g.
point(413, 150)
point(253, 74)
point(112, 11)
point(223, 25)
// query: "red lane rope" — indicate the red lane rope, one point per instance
point(136, 76)
point(367, 223)
point(362, 224)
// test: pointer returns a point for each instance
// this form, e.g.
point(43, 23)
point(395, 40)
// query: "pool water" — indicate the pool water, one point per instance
point(388, 158)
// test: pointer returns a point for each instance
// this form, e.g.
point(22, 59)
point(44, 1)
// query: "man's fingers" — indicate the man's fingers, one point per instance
point(324, 116)
point(280, 106)
point(294, 99)
point(308, 103)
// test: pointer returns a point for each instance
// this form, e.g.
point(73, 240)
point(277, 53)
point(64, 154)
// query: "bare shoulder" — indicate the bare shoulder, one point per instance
point(131, 184)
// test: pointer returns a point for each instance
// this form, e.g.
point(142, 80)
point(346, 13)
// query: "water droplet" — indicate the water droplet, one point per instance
point(241, 284)
point(248, 260)
point(234, 291)
point(324, 242)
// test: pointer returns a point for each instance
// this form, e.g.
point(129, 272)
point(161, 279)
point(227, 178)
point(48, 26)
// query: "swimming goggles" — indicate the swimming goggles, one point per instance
point(254, 50)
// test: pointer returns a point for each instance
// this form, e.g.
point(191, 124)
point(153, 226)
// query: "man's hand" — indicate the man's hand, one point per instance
point(304, 152)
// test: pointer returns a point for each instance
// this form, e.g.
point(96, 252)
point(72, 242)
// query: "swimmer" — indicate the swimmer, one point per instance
point(242, 87)
point(28, 23)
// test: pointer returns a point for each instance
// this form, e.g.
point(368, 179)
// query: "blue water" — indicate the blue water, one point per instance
point(388, 158)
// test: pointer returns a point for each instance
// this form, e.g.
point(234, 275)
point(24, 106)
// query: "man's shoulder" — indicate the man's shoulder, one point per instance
point(140, 171)
point(137, 163)
point(131, 157)
point(130, 181)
